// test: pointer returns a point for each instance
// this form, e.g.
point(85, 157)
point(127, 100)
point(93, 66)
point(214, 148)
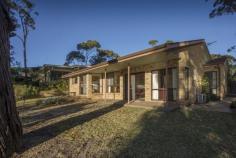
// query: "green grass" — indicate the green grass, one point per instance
point(99, 130)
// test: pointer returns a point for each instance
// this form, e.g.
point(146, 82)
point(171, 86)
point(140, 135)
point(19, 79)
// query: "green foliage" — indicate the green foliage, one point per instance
point(206, 89)
point(55, 100)
point(103, 55)
point(230, 59)
point(88, 45)
point(60, 85)
point(231, 49)
point(221, 7)
point(26, 91)
point(213, 97)
point(84, 52)
point(153, 42)
point(21, 12)
point(205, 85)
point(89, 52)
point(233, 105)
point(170, 41)
point(74, 56)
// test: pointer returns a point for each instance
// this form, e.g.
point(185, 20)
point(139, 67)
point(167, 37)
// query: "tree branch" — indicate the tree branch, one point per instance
point(20, 38)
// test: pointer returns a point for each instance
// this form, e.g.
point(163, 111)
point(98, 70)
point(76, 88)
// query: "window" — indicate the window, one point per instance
point(83, 85)
point(95, 84)
point(158, 85)
point(117, 83)
point(74, 80)
point(213, 83)
point(172, 84)
point(186, 82)
point(113, 83)
point(212, 79)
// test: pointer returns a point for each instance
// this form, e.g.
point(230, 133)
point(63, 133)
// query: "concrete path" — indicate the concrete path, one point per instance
point(219, 106)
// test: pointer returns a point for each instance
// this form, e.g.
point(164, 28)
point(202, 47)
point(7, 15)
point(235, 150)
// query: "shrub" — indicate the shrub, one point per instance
point(214, 97)
point(205, 85)
point(60, 85)
point(55, 100)
point(233, 105)
point(26, 91)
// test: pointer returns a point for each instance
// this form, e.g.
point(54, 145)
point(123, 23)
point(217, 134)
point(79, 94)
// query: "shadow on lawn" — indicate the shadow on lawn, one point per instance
point(43, 134)
point(40, 117)
point(183, 133)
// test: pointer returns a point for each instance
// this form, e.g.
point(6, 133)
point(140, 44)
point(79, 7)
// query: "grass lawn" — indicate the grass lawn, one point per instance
point(96, 129)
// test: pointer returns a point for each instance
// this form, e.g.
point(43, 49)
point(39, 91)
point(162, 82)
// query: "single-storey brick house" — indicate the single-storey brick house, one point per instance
point(170, 72)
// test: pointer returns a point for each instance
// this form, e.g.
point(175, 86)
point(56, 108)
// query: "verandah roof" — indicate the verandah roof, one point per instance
point(137, 58)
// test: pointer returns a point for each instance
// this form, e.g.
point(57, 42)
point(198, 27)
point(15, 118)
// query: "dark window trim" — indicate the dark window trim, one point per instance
point(81, 76)
point(188, 82)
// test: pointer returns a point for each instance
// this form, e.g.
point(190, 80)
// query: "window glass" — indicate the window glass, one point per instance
point(172, 84)
point(95, 84)
point(212, 78)
point(214, 82)
point(113, 83)
point(83, 84)
point(74, 80)
point(186, 80)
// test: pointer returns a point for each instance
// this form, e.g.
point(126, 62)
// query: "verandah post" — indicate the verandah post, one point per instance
point(105, 90)
point(166, 86)
point(128, 84)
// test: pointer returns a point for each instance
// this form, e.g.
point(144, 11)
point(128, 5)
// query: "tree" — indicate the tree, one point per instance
point(10, 125)
point(23, 10)
point(169, 41)
point(153, 42)
point(84, 52)
point(89, 52)
point(221, 7)
point(88, 48)
point(230, 59)
point(231, 49)
point(74, 56)
point(103, 55)
point(224, 7)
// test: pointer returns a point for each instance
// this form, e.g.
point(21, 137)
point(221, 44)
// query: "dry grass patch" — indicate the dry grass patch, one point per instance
point(98, 129)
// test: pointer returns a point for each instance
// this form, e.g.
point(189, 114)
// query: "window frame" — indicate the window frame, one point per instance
point(186, 82)
point(74, 80)
point(115, 86)
point(83, 84)
point(99, 84)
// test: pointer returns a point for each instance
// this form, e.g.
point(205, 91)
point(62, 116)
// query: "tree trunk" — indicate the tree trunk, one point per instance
point(10, 126)
point(25, 57)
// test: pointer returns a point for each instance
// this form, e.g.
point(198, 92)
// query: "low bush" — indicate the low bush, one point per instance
point(26, 91)
point(233, 105)
point(213, 97)
point(62, 85)
point(55, 100)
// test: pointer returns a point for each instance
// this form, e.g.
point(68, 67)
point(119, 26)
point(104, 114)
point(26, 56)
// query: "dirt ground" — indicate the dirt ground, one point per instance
point(44, 125)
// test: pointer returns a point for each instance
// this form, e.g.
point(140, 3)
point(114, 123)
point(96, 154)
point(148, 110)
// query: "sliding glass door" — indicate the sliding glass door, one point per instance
point(158, 85)
point(172, 84)
point(83, 85)
point(159, 80)
point(137, 86)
